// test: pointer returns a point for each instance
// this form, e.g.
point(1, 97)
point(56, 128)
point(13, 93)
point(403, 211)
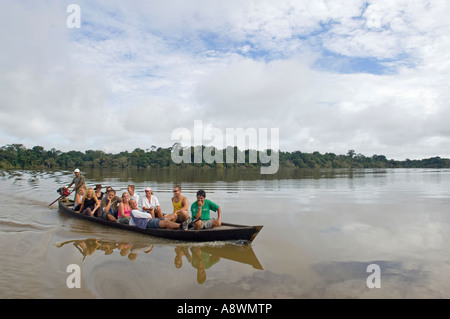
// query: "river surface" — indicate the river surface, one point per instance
point(327, 234)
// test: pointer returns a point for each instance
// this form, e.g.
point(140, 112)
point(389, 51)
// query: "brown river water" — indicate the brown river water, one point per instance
point(324, 232)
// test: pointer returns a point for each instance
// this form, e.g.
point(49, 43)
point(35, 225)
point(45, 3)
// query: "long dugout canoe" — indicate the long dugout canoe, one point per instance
point(225, 232)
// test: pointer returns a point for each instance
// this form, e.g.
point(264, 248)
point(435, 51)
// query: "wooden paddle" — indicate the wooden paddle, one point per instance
point(60, 198)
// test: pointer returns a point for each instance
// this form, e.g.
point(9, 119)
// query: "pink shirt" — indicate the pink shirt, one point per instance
point(126, 211)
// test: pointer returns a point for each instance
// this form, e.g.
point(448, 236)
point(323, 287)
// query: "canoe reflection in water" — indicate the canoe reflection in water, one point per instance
point(201, 257)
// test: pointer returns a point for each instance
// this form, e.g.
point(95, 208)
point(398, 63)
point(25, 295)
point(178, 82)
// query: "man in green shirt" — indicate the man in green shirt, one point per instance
point(201, 212)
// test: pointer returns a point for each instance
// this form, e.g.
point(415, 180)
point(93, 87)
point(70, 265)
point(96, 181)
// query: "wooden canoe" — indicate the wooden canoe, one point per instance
point(225, 232)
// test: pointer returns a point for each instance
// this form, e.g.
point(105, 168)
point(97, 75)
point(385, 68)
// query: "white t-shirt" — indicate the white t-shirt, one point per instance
point(135, 197)
point(141, 217)
point(145, 202)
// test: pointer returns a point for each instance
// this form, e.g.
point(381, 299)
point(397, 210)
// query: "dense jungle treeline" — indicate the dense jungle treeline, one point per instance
point(17, 156)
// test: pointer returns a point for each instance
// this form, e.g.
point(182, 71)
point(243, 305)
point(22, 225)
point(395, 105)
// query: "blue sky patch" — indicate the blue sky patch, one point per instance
point(334, 62)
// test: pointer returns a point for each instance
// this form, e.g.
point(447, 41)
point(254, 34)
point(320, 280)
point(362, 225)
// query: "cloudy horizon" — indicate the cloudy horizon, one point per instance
point(330, 75)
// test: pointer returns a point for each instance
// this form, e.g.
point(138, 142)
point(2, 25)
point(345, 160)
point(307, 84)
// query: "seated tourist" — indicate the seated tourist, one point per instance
point(79, 197)
point(98, 191)
point(109, 206)
point(180, 206)
point(145, 220)
point(133, 194)
point(200, 210)
point(124, 210)
point(90, 204)
point(150, 204)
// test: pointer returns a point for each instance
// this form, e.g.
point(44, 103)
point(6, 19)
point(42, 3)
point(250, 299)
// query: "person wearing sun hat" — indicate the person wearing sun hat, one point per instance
point(98, 191)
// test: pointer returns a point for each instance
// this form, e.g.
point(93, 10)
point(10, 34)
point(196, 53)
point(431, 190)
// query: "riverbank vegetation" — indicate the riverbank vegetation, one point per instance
point(18, 156)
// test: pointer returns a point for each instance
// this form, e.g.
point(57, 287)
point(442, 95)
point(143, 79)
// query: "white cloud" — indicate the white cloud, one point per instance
point(332, 76)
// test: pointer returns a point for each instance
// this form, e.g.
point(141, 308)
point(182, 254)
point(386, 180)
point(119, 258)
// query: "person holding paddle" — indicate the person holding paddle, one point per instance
point(200, 210)
point(78, 180)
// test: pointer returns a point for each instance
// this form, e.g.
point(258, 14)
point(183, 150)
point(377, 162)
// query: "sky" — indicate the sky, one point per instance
point(330, 75)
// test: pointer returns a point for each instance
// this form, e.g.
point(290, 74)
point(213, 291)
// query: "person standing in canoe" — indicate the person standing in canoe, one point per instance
point(200, 210)
point(78, 180)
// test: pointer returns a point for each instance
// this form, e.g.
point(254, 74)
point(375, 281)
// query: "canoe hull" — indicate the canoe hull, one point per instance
point(226, 232)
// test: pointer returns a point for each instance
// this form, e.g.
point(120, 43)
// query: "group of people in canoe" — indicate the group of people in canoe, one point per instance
point(143, 212)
